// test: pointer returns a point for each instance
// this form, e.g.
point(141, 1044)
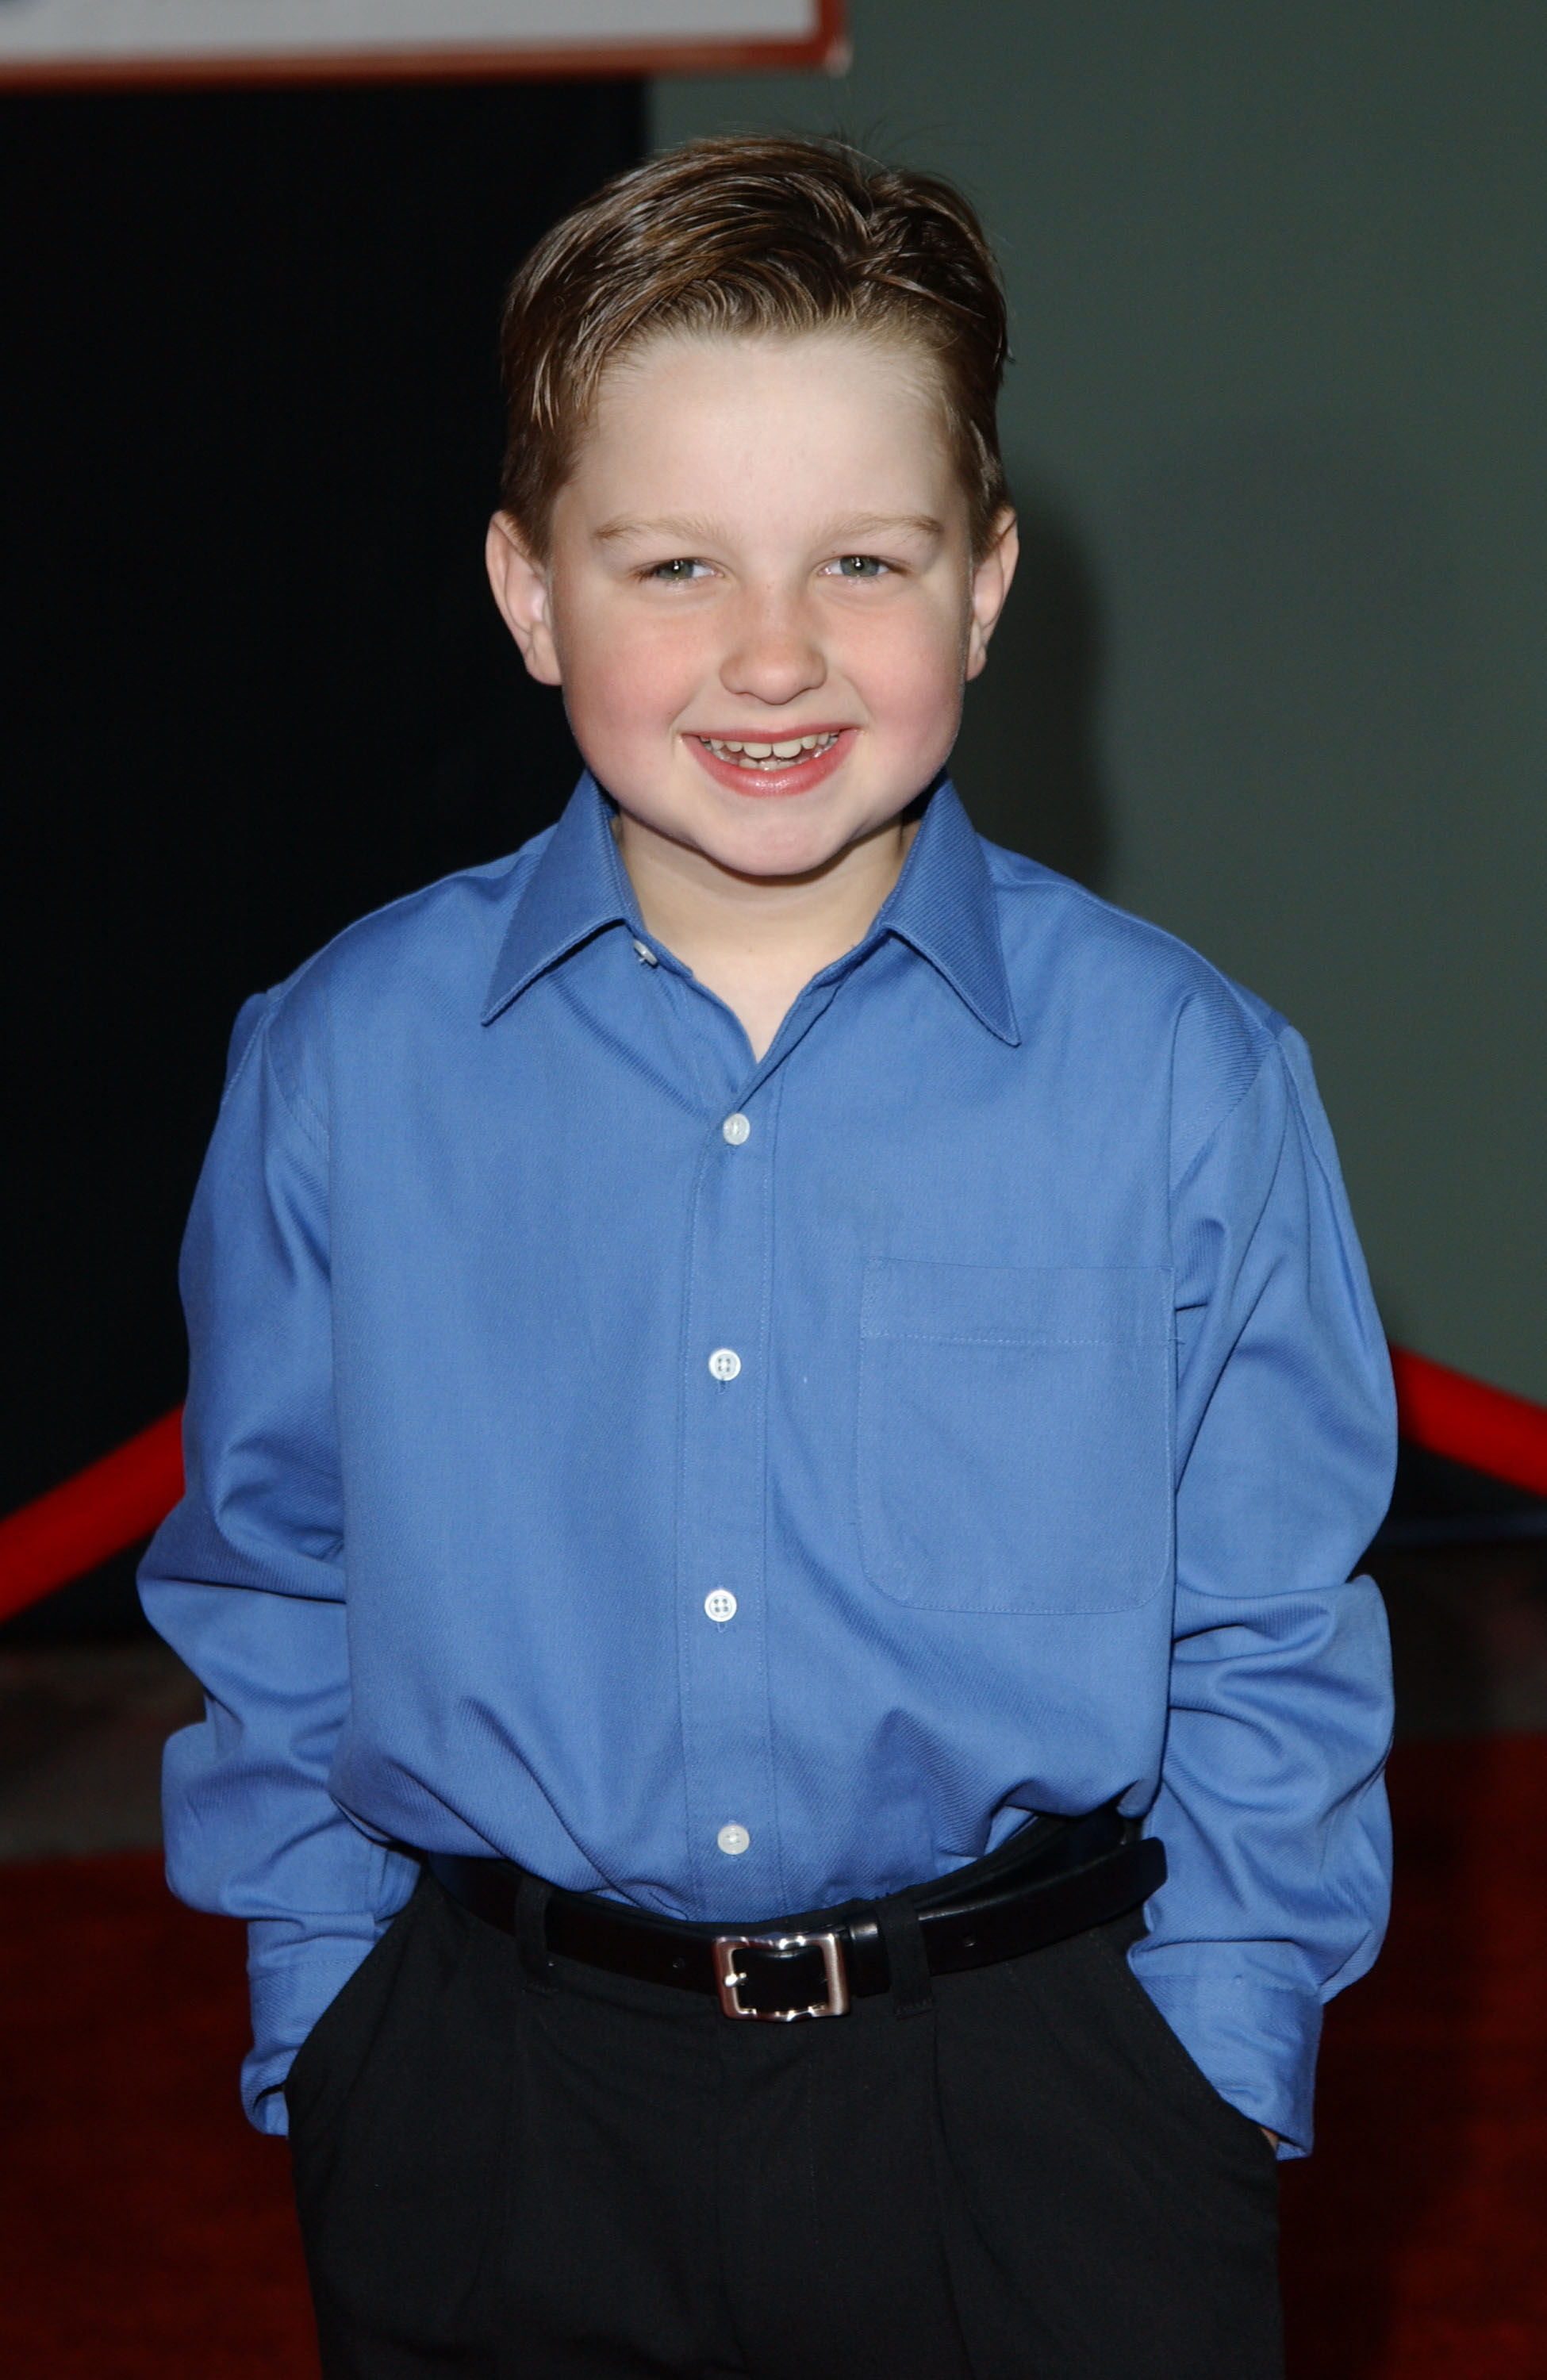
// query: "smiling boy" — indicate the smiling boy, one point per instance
point(758, 862)
point(782, 1408)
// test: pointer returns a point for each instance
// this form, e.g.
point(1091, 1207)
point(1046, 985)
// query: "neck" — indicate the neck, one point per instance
point(756, 942)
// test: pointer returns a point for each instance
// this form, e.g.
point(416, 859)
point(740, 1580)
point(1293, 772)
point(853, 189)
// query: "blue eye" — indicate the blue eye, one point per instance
point(677, 572)
point(860, 565)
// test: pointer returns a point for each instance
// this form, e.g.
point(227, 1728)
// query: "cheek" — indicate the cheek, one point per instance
point(626, 679)
point(912, 681)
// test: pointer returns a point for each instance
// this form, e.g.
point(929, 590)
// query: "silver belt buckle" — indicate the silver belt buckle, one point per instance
point(728, 1982)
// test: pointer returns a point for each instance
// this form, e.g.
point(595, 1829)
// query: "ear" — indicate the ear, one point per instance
point(521, 592)
point(991, 584)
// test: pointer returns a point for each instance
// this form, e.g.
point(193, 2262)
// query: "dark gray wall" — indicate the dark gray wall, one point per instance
point(1279, 414)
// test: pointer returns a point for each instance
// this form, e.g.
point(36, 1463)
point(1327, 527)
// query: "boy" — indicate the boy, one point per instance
point(782, 1407)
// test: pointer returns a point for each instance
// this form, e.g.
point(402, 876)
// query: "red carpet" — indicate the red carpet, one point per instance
point(147, 2234)
point(145, 2230)
point(1415, 2237)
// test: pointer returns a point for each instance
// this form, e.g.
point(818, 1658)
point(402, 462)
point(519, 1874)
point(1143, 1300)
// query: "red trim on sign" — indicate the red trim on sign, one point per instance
point(826, 47)
point(109, 1505)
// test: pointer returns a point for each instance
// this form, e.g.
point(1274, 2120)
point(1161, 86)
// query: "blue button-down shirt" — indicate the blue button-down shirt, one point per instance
point(999, 1342)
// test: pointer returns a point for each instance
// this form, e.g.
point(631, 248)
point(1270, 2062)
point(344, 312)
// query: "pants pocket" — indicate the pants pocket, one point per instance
point(1109, 2216)
point(400, 2146)
point(1173, 2070)
point(323, 2066)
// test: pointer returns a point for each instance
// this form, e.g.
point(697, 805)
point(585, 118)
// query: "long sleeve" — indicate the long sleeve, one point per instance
point(1270, 1804)
point(246, 1577)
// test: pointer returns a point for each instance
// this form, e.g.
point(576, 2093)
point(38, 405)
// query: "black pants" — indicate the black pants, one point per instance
point(563, 2175)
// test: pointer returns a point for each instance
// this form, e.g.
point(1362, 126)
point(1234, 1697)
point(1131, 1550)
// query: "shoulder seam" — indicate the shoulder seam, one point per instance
point(1272, 1045)
point(303, 1113)
point(486, 869)
point(1049, 880)
point(248, 1046)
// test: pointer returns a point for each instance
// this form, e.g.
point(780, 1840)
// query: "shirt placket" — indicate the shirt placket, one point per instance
point(722, 1618)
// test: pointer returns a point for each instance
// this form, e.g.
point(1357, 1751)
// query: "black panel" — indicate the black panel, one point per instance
point(255, 683)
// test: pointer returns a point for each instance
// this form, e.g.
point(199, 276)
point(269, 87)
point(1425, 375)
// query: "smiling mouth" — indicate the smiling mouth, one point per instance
point(767, 758)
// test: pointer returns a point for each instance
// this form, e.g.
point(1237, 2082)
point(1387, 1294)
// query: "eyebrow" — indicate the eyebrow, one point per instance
point(700, 532)
point(697, 531)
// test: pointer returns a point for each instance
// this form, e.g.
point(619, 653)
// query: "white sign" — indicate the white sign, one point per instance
point(69, 40)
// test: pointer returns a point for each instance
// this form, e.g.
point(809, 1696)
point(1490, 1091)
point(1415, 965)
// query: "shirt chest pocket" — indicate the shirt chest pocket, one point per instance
point(1014, 1436)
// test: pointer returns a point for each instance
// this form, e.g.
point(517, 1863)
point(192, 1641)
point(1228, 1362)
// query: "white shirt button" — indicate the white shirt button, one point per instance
point(736, 1129)
point(645, 952)
point(734, 1839)
point(720, 1603)
point(725, 1363)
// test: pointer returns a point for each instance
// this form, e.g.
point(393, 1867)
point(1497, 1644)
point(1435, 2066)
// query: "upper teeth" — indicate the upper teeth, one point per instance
point(759, 756)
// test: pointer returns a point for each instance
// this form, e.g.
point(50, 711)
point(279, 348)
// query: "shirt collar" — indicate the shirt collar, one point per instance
point(943, 908)
point(942, 905)
point(577, 890)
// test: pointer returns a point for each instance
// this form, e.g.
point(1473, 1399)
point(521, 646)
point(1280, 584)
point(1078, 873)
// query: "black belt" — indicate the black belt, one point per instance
point(1053, 1877)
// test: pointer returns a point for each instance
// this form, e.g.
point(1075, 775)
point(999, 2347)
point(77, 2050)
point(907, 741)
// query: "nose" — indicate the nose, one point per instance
point(774, 656)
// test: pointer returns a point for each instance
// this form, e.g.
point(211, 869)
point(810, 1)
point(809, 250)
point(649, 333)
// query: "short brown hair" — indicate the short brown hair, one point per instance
point(749, 233)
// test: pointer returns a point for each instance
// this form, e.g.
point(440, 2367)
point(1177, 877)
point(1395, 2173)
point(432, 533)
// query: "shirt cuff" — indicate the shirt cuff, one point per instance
point(268, 2110)
point(293, 1977)
point(1245, 2015)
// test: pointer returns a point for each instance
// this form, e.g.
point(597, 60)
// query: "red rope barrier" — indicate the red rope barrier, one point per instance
point(114, 1502)
point(84, 1520)
point(1453, 1414)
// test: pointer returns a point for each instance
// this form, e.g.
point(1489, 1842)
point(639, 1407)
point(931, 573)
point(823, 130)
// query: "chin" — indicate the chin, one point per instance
point(777, 855)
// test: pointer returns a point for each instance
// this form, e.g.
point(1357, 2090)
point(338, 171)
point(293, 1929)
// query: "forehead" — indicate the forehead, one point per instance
point(759, 413)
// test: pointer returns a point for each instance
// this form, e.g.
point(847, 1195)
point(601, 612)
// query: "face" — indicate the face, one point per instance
point(760, 596)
